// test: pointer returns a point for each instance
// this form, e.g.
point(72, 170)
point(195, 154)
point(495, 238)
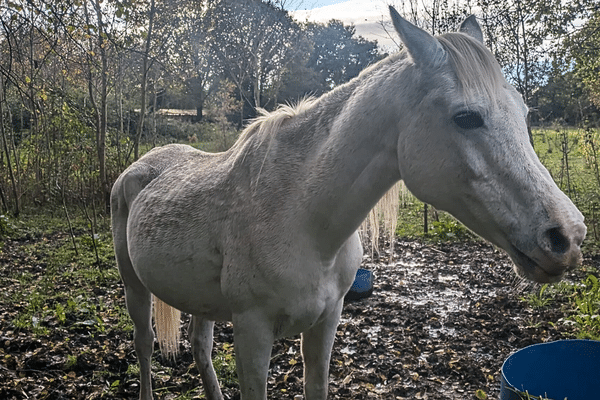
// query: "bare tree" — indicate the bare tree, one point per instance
point(9, 167)
point(253, 41)
point(98, 86)
point(144, 79)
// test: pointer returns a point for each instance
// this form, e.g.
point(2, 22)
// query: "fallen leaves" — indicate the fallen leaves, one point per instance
point(438, 326)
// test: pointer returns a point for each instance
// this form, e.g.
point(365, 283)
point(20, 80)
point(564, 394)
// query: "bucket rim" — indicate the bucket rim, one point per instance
point(544, 344)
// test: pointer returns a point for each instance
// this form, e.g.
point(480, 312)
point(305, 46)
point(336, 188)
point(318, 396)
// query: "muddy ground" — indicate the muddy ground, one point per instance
point(439, 324)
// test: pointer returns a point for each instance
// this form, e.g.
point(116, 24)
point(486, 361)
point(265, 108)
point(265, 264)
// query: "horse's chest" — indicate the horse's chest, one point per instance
point(294, 287)
point(308, 300)
point(301, 312)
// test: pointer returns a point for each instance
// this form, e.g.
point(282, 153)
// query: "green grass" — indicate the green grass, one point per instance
point(586, 309)
point(225, 367)
point(550, 294)
point(579, 302)
point(539, 299)
point(55, 285)
point(442, 227)
point(49, 289)
point(527, 396)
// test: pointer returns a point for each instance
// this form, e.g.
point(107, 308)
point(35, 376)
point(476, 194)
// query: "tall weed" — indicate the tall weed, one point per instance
point(587, 309)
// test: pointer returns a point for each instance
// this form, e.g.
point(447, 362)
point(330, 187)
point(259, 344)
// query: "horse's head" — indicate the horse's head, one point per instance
point(466, 150)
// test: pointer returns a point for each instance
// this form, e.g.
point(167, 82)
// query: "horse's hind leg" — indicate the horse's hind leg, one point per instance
point(139, 305)
point(201, 337)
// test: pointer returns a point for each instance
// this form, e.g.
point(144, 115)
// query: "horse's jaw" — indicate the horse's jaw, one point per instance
point(543, 237)
point(543, 245)
point(548, 272)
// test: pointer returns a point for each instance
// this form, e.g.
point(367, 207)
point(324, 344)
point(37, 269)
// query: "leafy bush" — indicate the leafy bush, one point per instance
point(6, 226)
point(181, 131)
point(587, 309)
point(449, 229)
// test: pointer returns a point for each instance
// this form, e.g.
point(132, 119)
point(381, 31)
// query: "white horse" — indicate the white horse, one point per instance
point(264, 234)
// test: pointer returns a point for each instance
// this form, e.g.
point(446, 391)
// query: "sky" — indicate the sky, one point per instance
point(366, 15)
point(310, 4)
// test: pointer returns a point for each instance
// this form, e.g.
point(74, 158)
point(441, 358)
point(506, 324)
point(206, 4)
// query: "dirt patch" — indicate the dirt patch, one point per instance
point(439, 324)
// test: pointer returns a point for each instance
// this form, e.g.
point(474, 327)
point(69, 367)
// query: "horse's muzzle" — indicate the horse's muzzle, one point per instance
point(556, 250)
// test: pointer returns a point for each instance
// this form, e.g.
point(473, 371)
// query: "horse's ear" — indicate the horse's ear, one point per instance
point(471, 27)
point(424, 49)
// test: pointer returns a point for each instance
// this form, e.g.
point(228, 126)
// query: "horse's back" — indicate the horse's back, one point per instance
point(139, 174)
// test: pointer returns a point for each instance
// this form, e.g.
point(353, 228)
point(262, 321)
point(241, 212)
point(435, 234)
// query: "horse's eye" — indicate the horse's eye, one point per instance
point(468, 120)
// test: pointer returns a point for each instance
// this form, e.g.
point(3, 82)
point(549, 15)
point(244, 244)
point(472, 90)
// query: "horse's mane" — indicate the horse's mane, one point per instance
point(476, 68)
point(270, 121)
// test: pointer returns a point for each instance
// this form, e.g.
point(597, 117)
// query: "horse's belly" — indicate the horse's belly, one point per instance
point(192, 286)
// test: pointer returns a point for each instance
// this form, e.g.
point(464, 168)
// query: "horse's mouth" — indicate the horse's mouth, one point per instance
point(531, 269)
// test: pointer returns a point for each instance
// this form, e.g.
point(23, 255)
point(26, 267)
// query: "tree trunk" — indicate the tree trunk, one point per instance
point(257, 91)
point(11, 175)
point(197, 89)
point(241, 107)
point(140, 125)
point(101, 142)
point(199, 112)
point(121, 130)
point(144, 83)
point(100, 108)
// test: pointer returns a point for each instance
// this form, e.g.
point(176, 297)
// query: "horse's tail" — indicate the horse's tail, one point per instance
point(167, 322)
point(384, 215)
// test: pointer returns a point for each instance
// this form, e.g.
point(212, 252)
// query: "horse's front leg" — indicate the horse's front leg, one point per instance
point(253, 340)
point(317, 343)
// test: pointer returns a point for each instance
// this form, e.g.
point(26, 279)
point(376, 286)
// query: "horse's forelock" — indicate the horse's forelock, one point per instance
point(476, 69)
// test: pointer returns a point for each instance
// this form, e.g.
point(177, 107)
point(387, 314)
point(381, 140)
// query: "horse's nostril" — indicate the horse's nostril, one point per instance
point(558, 242)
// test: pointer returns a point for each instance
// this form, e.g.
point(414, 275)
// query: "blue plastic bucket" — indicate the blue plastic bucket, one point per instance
point(362, 286)
point(556, 370)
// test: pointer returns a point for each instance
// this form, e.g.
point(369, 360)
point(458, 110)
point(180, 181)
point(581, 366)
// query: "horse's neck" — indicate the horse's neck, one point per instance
point(356, 164)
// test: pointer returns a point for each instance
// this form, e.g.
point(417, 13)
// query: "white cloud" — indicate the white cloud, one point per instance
point(365, 15)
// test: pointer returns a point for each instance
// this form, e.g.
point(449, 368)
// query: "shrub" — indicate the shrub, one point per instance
point(587, 309)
